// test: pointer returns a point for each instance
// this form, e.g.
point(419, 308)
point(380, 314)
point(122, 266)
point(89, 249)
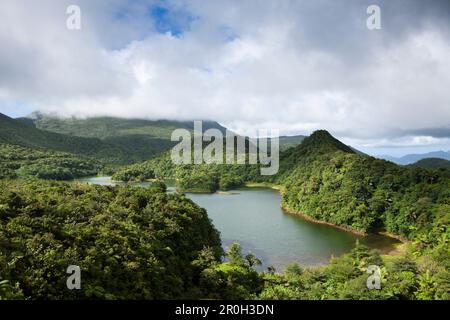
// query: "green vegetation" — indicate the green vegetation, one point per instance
point(23, 162)
point(234, 279)
point(137, 139)
point(432, 163)
point(287, 142)
point(331, 182)
point(191, 178)
point(402, 277)
point(108, 127)
point(345, 278)
point(142, 243)
point(122, 141)
point(16, 132)
point(8, 292)
point(130, 243)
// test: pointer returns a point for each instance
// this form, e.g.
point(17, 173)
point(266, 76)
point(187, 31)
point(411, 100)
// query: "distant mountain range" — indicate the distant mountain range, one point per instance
point(15, 132)
point(432, 163)
point(111, 140)
point(137, 139)
point(412, 158)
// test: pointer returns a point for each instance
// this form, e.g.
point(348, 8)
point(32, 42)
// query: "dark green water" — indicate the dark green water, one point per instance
point(253, 217)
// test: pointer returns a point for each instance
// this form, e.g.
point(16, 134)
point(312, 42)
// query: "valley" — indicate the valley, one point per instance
point(253, 217)
point(145, 234)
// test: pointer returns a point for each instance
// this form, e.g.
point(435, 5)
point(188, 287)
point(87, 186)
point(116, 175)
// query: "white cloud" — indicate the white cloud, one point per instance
point(271, 72)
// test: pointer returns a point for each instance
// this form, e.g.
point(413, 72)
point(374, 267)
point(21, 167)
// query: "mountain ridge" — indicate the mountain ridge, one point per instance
point(15, 132)
point(432, 163)
point(414, 157)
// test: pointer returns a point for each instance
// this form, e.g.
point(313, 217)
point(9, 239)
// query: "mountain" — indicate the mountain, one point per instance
point(319, 142)
point(110, 127)
point(140, 139)
point(411, 158)
point(432, 163)
point(328, 181)
point(16, 132)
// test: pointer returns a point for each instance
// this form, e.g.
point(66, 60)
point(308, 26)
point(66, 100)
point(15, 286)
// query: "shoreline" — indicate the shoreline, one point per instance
point(394, 236)
point(313, 220)
point(262, 185)
point(287, 210)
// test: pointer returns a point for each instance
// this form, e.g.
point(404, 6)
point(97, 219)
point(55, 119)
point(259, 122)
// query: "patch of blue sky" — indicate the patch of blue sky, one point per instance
point(146, 18)
point(173, 21)
point(16, 109)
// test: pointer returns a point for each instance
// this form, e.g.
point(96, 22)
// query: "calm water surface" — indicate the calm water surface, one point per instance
point(253, 217)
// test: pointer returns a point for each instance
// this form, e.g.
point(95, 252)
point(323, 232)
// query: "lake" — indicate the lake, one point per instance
point(253, 217)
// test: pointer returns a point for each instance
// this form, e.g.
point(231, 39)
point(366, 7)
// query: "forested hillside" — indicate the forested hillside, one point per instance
point(131, 243)
point(45, 226)
point(16, 132)
point(20, 162)
point(432, 163)
point(192, 178)
point(139, 139)
point(328, 181)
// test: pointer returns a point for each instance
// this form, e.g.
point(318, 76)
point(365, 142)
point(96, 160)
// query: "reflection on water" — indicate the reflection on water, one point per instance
point(253, 217)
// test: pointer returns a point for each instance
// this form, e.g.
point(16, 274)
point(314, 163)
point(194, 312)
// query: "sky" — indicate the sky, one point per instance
point(292, 65)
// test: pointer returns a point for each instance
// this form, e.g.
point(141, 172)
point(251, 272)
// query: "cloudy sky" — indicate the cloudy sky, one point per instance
point(295, 65)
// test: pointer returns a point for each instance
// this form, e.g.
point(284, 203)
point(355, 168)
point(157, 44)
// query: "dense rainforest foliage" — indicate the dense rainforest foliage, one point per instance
point(138, 139)
point(130, 243)
point(24, 134)
point(16, 161)
point(141, 243)
point(191, 178)
point(402, 277)
point(110, 140)
point(329, 181)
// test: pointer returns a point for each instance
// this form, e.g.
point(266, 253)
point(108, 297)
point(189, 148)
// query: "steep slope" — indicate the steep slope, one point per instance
point(432, 163)
point(327, 181)
point(320, 142)
point(18, 133)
